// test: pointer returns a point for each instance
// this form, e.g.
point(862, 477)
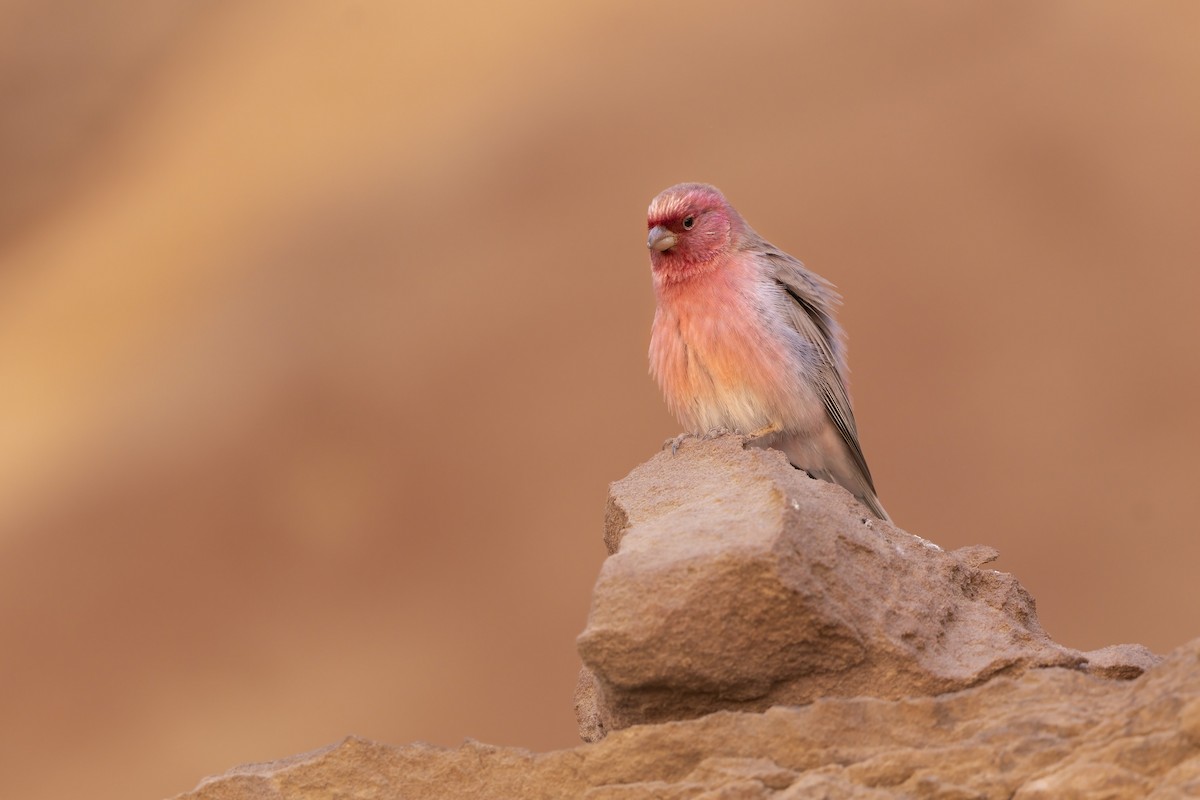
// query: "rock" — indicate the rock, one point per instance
point(737, 582)
point(1041, 733)
point(587, 708)
point(757, 634)
point(1120, 661)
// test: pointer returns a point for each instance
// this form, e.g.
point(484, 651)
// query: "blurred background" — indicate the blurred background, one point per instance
point(323, 330)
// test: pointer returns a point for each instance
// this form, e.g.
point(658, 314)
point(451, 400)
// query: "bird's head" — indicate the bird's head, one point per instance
point(688, 226)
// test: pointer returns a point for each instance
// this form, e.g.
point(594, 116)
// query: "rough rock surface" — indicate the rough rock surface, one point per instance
point(755, 634)
point(737, 582)
point(1049, 733)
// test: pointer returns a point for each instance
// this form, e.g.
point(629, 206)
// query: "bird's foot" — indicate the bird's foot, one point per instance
point(712, 433)
point(674, 442)
point(755, 438)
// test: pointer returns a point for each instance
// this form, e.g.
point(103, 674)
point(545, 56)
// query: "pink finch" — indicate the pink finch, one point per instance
point(744, 339)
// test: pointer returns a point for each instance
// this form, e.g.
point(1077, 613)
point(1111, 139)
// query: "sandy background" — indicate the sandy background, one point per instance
point(323, 330)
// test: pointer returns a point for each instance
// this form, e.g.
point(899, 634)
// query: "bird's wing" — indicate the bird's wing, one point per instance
point(810, 311)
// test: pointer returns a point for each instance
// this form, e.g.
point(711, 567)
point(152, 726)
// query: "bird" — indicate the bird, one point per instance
point(744, 340)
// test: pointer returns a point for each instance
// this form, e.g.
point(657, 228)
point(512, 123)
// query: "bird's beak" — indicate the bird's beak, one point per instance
point(660, 239)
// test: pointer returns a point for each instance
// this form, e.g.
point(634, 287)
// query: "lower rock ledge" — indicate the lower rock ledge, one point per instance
point(1047, 733)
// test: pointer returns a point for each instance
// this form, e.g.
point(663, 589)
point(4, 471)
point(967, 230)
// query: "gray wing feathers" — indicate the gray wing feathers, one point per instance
point(810, 312)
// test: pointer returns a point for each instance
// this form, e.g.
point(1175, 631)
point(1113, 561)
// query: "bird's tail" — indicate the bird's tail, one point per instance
point(857, 487)
point(871, 501)
point(827, 458)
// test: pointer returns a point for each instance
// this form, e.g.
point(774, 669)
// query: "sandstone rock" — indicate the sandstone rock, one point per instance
point(756, 634)
point(737, 582)
point(1120, 661)
point(1045, 733)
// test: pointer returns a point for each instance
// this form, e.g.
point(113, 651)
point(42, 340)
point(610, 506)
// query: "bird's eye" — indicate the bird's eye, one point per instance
point(689, 222)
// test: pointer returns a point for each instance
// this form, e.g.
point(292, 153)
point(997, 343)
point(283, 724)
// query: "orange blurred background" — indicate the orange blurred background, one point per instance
point(323, 330)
